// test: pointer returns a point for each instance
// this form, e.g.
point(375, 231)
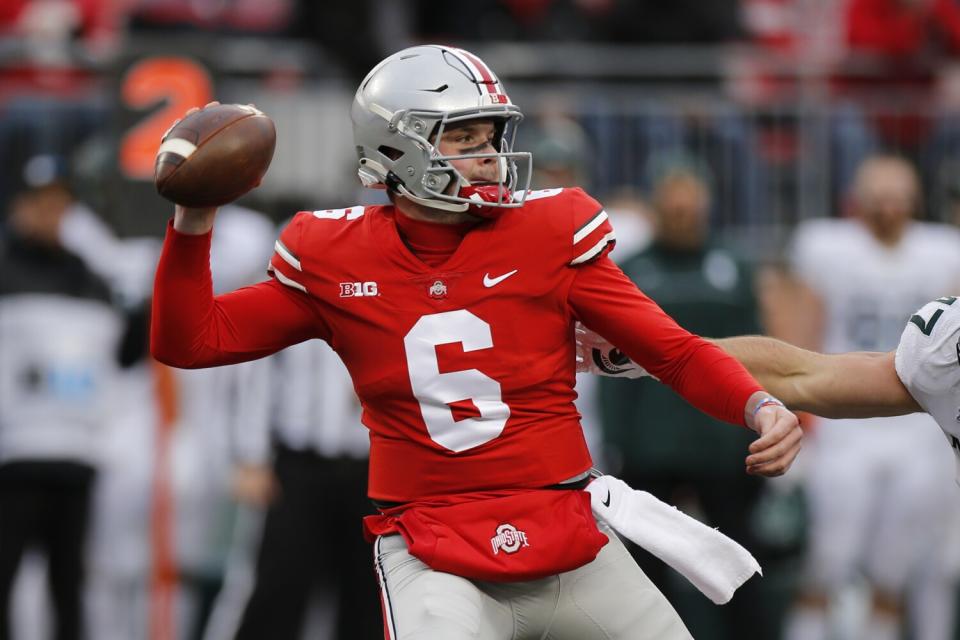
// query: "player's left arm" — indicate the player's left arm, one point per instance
point(606, 301)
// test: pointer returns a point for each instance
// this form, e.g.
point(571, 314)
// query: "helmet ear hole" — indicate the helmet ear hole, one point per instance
point(390, 152)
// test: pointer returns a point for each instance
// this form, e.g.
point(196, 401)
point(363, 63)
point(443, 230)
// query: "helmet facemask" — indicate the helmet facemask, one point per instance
point(439, 184)
point(479, 197)
point(401, 111)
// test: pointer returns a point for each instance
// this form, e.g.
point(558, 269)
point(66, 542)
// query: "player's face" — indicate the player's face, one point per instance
point(886, 196)
point(682, 204)
point(475, 136)
point(38, 214)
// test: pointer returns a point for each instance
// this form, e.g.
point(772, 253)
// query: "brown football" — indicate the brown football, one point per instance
point(215, 155)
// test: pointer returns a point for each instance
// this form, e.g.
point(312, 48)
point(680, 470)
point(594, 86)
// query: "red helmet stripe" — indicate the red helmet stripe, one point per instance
point(477, 66)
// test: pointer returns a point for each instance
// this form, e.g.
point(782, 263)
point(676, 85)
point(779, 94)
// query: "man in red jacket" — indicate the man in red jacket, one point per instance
point(454, 310)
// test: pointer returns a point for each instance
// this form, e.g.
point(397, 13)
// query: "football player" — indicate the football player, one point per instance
point(867, 273)
point(453, 310)
point(922, 374)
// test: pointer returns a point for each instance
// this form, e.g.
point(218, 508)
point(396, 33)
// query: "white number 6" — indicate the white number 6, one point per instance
point(434, 390)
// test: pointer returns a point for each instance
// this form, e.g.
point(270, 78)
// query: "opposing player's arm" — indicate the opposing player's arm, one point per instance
point(843, 385)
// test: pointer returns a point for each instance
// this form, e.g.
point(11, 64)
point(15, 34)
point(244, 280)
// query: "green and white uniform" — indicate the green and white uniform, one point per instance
point(928, 363)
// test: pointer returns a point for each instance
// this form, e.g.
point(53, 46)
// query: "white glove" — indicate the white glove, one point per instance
point(596, 355)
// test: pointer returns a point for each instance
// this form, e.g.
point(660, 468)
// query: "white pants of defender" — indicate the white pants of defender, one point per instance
point(607, 599)
point(881, 496)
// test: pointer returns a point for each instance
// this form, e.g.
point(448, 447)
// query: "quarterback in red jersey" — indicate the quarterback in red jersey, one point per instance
point(454, 311)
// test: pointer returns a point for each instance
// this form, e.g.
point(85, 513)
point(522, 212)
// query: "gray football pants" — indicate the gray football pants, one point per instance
point(607, 599)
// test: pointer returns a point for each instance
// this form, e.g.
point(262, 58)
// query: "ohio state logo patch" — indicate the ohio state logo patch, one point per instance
point(508, 539)
point(438, 290)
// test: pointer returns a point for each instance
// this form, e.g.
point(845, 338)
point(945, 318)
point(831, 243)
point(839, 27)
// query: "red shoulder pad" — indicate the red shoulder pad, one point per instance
point(593, 234)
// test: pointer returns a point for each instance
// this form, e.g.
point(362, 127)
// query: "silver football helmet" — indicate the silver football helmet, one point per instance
point(402, 108)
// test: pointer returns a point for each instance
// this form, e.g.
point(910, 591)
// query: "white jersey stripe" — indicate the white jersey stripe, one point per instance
point(595, 249)
point(287, 255)
point(285, 280)
point(590, 226)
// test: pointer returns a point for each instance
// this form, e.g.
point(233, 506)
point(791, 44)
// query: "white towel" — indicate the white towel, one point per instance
point(712, 562)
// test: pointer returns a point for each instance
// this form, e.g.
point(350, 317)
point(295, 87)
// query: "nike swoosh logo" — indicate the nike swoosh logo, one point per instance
point(606, 502)
point(492, 282)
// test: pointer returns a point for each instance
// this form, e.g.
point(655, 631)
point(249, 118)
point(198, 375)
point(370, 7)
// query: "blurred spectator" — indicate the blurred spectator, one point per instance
point(562, 152)
point(686, 21)
point(632, 146)
point(60, 341)
point(32, 126)
point(809, 30)
point(506, 20)
point(237, 16)
point(710, 291)
point(902, 30)
point(50, 28)
point(866, 491)
point(895, 51)
point(634, 21)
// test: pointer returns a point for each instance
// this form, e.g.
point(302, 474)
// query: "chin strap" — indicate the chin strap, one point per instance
point(476, 194)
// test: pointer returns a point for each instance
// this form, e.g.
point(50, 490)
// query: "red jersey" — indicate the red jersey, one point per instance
point(466, 370)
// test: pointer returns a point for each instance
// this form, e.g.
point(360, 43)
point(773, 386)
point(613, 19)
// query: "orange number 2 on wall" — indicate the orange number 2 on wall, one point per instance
point(182, 83)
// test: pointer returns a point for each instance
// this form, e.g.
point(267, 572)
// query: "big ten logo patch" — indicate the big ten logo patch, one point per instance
point(358, 289)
